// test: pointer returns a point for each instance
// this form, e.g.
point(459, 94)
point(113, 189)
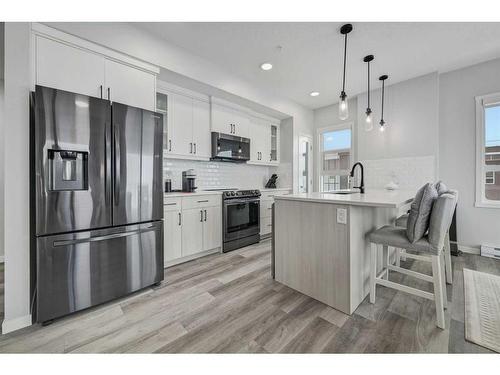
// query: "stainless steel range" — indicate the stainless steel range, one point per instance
point(241, 218)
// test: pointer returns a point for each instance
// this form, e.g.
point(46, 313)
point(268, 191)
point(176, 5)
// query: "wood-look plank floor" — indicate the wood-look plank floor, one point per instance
point(228, 303)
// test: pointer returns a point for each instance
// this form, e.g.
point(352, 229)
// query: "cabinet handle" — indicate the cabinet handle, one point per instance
point(169, 145)
point(205, 201)
point(180, 221)
point(195, 148)
point(170, 204)
point(205, 215)
point(109, 93)
point(190, 148)
point(269, 225)
point(201, 216)
point(100, 87)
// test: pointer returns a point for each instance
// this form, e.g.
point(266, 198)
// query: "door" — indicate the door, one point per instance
point(83, 269)
point(173, 235)
point(192, 231)
point(67, 68)
point(201, 129)
point(127, 145)
point(130, 86)
point(305, 164)
point(152, 166)
point(212, 228)
point(182, 125)
point(72, 135)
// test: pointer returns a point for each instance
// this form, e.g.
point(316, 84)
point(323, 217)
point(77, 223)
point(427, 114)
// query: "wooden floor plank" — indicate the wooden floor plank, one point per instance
point(228, 303)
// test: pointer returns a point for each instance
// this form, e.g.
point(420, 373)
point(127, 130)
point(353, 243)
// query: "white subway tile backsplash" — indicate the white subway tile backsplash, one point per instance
point(409, 173)
point(212, 175)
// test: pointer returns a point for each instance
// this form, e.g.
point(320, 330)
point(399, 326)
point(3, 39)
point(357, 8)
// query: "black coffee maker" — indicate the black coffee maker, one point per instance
point(188, 181)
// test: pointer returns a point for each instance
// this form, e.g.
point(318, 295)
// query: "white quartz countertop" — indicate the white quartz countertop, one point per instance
point(177, 194)
point(371, 197)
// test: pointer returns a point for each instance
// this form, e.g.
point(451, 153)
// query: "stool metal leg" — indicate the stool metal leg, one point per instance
point(447, 257)
point(438, 290)
point(373, 271)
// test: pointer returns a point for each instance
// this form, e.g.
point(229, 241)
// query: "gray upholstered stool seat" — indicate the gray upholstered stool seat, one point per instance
point(396, 237)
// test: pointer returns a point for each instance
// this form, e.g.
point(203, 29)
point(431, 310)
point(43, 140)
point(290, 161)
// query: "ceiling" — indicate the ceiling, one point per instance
point(308, 56)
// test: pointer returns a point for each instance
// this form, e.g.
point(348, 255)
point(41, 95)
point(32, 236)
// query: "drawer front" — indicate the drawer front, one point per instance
point(266, 208)
point(267, 195)
point(172, 204)
point(266, 225)
point(200, 201)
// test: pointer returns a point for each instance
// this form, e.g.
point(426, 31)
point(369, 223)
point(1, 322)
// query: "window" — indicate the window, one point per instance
point(335, 157)
point(488, 151)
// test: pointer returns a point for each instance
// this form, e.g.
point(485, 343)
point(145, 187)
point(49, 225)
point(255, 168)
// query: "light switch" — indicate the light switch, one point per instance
point(342, 215)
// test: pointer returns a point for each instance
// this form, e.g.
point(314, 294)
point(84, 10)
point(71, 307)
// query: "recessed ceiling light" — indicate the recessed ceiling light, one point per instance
point(314, 93)
point(266, 66)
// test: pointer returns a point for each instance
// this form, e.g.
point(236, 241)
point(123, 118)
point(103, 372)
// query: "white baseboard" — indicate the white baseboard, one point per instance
point(191, 257)
point(15, 324)
point(469, 250)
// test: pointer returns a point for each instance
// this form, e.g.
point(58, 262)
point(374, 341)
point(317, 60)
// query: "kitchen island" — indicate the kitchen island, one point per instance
point(321, 246)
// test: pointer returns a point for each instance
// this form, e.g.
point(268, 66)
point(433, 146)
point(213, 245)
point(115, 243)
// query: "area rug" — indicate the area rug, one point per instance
point(482, 309)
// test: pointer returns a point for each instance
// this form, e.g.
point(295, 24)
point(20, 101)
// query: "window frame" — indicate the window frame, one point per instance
point(482, 102)
point(319, 150)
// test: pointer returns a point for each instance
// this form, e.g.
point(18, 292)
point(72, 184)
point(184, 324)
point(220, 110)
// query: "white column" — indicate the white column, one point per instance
point(17, 83)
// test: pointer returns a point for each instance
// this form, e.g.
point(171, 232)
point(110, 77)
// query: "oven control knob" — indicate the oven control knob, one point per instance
point(233, 193)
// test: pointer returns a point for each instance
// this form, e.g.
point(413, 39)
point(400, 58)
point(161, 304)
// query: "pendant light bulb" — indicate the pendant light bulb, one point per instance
point(343, 107)
point(368, 120)
point(382, 128)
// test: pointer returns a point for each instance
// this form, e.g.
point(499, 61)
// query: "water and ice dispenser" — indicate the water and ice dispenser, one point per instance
point(68, 170)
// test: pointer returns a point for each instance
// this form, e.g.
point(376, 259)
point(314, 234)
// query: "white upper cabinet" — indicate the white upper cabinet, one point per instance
point(68, 68)
point(188, 132)
point(230, 121)
point(201, 129)
point(130, 86)
point(73, 66)
point(260, 141)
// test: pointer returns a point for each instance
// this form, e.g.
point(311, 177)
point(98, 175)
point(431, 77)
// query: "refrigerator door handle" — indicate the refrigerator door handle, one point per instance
point(116, 182)
point(95, 239)
point(107, 163)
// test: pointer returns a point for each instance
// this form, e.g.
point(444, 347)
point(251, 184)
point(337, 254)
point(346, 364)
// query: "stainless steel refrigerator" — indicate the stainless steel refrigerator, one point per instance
point(96, 200)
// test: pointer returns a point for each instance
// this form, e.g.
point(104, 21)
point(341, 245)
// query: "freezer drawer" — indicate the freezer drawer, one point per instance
point(79, 270)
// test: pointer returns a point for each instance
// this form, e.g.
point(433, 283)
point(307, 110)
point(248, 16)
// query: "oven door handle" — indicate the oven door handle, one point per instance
point(240, 201)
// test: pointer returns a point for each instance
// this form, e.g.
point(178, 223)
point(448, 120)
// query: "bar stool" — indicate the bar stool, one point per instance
point(402, 221)
point(429, 249)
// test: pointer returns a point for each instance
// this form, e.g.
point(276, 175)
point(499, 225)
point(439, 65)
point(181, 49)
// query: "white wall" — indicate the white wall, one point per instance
point(16, 173)
point(2, 122)
point(475, 226)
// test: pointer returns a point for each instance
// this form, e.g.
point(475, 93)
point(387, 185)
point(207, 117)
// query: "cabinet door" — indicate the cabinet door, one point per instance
point(192, 231)
point(260, 141)
point(172, 225)
point(241, 124)
point(212, 227)
point(67, 68)
point(129, 85)
point(201, 129)
point(275, 144)
point(181, 109)
point(222, 119)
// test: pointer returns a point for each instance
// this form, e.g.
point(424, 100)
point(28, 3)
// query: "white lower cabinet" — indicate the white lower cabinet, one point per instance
point(172, 224)
point(193, 225)
point(266, 205)
point(192, 232)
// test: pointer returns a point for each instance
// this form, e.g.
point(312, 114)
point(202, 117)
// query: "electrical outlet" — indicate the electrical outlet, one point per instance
point(342, 215)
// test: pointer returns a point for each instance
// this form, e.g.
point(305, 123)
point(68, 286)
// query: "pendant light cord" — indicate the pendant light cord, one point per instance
point(383, 89)
point(368, 84)
point(345, 57)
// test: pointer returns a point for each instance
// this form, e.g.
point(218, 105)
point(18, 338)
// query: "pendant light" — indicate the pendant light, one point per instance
point(382, 122)
point(343, 107)
point(368, 119)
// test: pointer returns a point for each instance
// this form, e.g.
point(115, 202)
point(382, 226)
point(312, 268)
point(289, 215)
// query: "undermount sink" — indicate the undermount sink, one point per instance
point(343, 191)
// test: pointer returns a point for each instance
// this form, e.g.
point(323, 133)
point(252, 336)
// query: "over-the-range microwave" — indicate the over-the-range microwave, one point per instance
point(226, 147)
